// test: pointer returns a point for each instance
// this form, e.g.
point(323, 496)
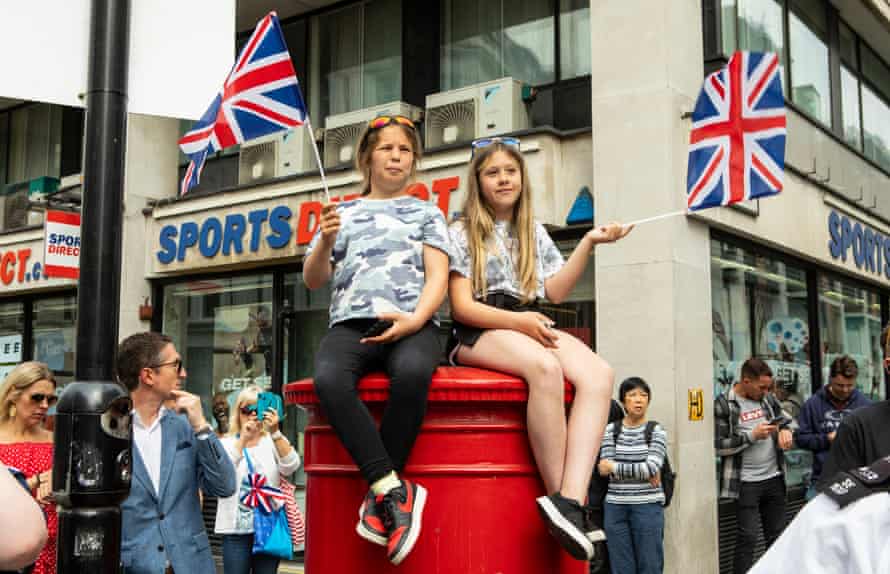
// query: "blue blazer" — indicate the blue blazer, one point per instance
point(163, 526)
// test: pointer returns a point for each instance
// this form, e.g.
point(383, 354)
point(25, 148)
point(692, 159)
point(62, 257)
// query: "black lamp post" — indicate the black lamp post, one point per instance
point(91, 462)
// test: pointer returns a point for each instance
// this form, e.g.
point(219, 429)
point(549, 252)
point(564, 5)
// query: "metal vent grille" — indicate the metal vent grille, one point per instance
point(339, 144)
point(257, 162)
point(451, 123)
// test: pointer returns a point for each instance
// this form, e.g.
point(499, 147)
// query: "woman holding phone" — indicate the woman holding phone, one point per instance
point(386, 255)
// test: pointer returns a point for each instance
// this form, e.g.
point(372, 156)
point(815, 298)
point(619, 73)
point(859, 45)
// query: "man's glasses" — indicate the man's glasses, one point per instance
point(383, 121)
point(38, 398)
point(485, 142)
point(177, 364)
point(248, 410)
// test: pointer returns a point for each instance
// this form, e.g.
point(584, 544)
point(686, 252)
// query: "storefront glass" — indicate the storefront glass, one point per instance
point(760, 310)
point(12, 329)
point(223, 328)
point(850, 324)
point(54, 335)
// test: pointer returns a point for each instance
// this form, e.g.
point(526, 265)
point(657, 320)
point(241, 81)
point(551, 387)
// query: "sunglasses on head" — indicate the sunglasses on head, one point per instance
point(38, 398)
point(485, 142)
point(383, 121)
point(248, 410)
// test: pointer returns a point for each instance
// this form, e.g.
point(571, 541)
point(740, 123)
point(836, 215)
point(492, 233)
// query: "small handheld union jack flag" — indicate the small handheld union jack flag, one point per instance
point(737, 144)
point(260, 96)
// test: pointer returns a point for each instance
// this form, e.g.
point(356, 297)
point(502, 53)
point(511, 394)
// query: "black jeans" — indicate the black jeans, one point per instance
point(410, 362)
point(765, 499)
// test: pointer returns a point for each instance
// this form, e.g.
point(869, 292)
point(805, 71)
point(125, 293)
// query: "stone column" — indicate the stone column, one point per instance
point(653, 290)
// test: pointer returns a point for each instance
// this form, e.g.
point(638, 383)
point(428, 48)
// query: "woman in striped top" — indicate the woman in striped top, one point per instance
point(634, 513)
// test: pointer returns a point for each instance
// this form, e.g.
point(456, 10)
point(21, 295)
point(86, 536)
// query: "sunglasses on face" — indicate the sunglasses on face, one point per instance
point(485, 142)
point(383, 121)
point(38, 398)
point(177, 364)
point(248, 410)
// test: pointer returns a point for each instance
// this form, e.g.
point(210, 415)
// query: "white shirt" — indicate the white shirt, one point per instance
point(149, 442)
point(232, 517)
point(824, 539)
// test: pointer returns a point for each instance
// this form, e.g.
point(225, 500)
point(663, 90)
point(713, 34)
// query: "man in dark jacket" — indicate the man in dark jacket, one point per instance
point(823, 413)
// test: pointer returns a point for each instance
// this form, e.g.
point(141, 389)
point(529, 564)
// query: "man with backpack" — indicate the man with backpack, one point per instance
point(751, 436)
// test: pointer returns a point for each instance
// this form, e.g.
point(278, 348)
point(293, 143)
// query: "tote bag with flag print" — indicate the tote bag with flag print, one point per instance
point(271, 534)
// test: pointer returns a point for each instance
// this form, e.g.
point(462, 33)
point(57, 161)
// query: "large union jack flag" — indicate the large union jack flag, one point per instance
point(260, 96)
point(737, 144)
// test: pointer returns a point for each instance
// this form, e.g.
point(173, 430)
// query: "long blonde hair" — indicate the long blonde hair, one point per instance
point(366, 144)
point(478, 219)
point(17, 382)
point(247, 394)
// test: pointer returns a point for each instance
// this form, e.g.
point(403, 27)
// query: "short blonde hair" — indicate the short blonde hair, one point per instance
point(18, 380)
point(248, 394)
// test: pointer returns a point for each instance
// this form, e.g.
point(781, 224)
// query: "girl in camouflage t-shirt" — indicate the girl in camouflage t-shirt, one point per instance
point(503, 264)
point(386, 255)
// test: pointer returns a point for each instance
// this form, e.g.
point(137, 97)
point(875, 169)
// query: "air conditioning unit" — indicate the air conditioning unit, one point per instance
point(342, 130)
point(475, 111)
point(276, 155)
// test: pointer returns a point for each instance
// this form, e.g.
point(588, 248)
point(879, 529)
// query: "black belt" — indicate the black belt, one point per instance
point(503, 300)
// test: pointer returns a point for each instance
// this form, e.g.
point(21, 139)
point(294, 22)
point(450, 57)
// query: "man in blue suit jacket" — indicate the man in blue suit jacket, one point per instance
point(175, 454)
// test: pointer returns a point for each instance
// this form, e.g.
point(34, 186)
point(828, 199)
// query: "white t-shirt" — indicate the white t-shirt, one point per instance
point(232, 517)
point(824, 539)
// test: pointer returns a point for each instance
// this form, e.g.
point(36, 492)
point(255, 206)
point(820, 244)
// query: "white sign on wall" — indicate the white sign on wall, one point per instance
point(11, 349)
point(180, 53)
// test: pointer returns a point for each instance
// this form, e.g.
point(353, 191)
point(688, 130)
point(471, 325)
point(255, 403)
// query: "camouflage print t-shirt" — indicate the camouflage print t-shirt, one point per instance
point(500, 268)
point(378, 255)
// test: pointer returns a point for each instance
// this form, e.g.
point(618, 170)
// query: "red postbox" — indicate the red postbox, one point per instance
point(474, 459)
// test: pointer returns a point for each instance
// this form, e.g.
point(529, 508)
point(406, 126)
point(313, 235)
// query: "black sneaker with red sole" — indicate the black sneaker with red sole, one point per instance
point(370, 520)
point(402, 514)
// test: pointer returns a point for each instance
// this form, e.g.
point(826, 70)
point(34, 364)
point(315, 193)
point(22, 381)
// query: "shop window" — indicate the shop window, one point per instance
point(574, 38)
point(850, 88)
point(850, 324)
point(12, 330)
point(55, 334)
point(810, 86)
point(759, 309)
point(484, 40)
point(356, 55)
point(223, 328)
point(876, 108)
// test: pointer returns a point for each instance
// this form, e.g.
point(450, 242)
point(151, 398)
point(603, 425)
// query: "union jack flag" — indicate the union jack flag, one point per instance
point(260, 96)
point(737, 144)
point(258, 493)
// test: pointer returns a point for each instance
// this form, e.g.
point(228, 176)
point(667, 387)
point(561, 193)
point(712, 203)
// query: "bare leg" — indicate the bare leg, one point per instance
point(593, 379)
point(517, 354)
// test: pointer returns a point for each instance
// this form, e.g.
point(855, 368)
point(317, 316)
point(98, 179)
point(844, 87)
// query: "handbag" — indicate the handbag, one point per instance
point(294, 514)
point(271, 534)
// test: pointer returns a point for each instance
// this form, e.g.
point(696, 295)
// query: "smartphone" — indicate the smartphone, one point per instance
point(779, 420)
point(266, 400)
point(377, 328)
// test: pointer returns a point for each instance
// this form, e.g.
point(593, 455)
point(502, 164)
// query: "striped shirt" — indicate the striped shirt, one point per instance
point(635, 462)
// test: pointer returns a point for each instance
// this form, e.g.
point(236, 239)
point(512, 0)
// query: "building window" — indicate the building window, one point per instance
point(876, 107)
point(12, 331)
point(574, 39)
point(850, 324)
point(54, 335)
point(35, 136)
point(850, 115)
point(810, 86)
point(484, 40)
point(356, 57)
point(759, 309)
point(223, 330)
point(754, 25)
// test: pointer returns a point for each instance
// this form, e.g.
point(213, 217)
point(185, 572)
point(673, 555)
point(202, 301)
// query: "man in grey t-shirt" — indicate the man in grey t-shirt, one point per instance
point(751, 437)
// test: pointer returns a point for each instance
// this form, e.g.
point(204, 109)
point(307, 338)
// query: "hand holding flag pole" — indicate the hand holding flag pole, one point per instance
point(260, 96)
point(737, 142)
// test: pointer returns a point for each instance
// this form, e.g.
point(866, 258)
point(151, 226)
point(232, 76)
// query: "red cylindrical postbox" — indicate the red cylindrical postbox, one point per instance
point(473, 458)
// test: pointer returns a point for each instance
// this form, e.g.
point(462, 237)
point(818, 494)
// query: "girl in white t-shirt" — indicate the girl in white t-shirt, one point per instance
point(272, 455)
point(503, 265)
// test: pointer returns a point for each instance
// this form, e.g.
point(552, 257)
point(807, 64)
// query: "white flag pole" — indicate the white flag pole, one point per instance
point(655, 218)
point(324, 181)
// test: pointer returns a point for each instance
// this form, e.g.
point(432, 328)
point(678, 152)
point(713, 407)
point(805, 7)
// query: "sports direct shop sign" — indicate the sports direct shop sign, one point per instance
point(231, 235)
point(62, 244)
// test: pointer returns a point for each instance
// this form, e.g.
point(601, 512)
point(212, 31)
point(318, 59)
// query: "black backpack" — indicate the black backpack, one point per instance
point(600, 484)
